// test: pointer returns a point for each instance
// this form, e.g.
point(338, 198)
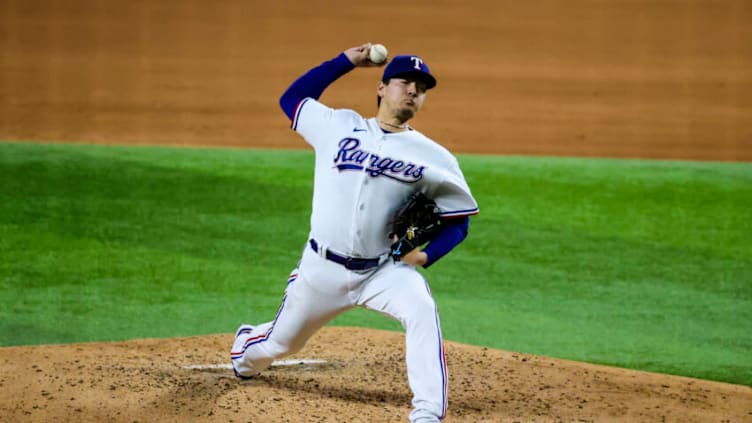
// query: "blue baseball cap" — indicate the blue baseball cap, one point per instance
point(409, 65)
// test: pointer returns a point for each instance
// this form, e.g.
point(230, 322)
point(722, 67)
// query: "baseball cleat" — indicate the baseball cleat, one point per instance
point(239, 376)
point(242, 330)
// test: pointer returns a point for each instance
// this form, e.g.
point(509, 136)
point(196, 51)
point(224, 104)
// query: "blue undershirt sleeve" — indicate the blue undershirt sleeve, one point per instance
point(313, 83)
point(453, 231)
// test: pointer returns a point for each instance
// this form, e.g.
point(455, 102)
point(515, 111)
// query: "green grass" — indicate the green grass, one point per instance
point(638, 264)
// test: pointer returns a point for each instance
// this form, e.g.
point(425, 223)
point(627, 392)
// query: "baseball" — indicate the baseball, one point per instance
point(377, 53)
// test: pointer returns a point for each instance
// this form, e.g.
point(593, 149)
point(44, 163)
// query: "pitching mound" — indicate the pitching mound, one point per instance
point(343, 375)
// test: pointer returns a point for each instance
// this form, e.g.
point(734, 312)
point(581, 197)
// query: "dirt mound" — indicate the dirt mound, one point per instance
point(343, 375)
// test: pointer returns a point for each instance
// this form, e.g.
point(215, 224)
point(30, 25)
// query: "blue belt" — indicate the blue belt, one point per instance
point(351, 263)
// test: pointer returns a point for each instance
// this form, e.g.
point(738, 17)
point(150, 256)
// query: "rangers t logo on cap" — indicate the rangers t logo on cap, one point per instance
point(409, 65)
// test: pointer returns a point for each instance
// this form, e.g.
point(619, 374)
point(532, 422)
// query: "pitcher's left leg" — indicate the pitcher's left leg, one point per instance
point(399, 291)
point(306, 307)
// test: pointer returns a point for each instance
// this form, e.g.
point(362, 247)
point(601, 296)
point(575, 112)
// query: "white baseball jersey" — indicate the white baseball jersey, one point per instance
point(362, 176)
point(358, 164)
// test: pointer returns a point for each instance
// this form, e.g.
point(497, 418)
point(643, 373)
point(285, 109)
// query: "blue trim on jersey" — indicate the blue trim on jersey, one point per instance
point(294, 122)
point(313, 83)
point(460, 213)
point(453, 231)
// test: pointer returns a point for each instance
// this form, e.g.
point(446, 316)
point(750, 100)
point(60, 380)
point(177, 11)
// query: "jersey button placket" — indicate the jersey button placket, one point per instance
point(358, 216)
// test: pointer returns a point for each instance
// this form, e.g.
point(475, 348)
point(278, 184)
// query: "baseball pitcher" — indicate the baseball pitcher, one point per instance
point(386, 199)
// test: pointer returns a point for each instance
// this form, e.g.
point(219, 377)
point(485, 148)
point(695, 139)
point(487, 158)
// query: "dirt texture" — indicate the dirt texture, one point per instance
point(661, 79)
point(362, 378)
point(626, 78)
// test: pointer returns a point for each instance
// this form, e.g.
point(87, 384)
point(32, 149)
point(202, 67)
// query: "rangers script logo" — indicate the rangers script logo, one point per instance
point(350, 157)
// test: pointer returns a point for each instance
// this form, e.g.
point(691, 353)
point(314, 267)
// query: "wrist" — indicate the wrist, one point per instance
point(344, 62)
point(417, 258)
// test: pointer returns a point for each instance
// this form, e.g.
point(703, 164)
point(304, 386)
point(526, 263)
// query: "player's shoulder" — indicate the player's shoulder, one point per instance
point(349, 115)
point(338, 113)
point(313, 110)
point(433, 146)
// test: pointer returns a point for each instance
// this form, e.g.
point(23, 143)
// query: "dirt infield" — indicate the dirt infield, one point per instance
point(662, 79)
point(625, 78)
point(363, 379)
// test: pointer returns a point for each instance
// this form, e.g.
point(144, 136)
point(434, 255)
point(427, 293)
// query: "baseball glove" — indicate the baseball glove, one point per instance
point(414, 224)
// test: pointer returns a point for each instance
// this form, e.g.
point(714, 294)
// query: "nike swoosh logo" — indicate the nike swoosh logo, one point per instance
point(359, 130)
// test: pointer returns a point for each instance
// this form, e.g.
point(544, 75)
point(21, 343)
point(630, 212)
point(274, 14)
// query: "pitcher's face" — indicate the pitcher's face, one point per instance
point(403, 97)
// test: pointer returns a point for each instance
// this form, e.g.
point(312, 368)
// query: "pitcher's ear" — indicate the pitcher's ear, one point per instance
point(379, 93)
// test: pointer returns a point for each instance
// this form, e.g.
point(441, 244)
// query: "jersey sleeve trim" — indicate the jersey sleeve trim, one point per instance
point(296, 116)
point(460, 213)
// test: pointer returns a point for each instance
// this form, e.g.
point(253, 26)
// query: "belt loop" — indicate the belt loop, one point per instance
point(317, 248)
point(322, 250)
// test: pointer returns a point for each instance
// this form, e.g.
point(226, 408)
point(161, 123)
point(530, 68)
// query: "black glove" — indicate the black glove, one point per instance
point(414, 224)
